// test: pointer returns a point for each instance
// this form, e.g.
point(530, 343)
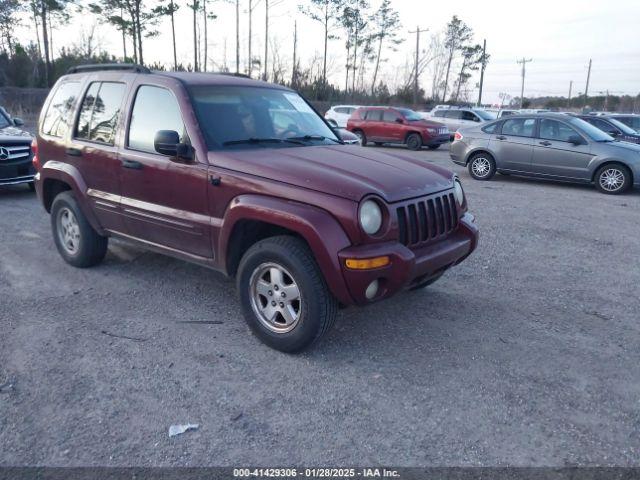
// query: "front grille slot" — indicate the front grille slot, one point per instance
point(425, 219)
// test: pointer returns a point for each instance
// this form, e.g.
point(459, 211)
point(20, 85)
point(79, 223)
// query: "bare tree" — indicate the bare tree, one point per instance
point(472, 59)
point(386, 23)
point(457, 35)
point(327, 12)
point(168, 9)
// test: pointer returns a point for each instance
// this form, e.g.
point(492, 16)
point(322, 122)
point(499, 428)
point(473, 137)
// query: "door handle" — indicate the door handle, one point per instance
point(215, 181)
point(501, 137)
point(545, 143)
point(133, 164)
point(74, 152)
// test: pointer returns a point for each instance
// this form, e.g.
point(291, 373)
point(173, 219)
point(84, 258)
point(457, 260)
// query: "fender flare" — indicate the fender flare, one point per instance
point(64, 172)
point(322, 232)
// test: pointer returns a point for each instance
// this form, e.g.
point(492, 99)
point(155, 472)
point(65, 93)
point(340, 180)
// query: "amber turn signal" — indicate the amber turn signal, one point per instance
point(367, 263)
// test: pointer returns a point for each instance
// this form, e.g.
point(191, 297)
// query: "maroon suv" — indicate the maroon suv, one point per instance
point(382, 125)
point(246, 178)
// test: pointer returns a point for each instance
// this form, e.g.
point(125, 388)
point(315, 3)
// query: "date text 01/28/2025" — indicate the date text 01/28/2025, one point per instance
point(315, 472)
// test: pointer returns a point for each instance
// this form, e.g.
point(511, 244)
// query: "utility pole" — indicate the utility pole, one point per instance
point(484, 65)
point(570, 88)
point(586, 90)
point(294, 72)
point(524, 62)
point(237, 36)
point(417, 31)
point(266, 37)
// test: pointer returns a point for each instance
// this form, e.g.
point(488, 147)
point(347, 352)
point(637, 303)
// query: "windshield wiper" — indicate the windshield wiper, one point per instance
point(262, 140)
point(313, 137)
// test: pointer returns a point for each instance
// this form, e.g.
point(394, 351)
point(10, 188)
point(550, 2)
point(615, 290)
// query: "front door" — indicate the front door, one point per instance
point(513, 145)
point(391, 129)
point(164, 201)
point(554, 155)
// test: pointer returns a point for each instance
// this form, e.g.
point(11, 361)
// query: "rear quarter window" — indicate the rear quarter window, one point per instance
point(491, 128)
point(56, 120)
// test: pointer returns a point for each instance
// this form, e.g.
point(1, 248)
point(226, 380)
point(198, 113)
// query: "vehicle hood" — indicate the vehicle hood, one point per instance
point(11, 133)
point(350, 172)
point(426, 123)
point(621, 146)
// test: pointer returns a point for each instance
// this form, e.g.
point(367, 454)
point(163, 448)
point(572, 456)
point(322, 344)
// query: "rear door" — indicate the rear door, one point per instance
point(372, 125)
point(553, 154)
point(164, 200)
point(93, 149)
point(391, 130)
point(453, 120)
point(513, 145)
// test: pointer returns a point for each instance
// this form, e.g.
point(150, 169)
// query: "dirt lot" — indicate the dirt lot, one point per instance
point(526, 354)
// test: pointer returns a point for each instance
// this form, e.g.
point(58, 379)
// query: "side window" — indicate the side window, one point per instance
point(519, 127)
point(470, 116)
point(56, 120)
point(375, 115)
point(341, 110)
point(350, 110)
point(389, 116)
point(554, 130)
point(602, 125)
point(439, 113)
point(454, 114)
point(100, 112)
point(491, 128)
point(147, 118)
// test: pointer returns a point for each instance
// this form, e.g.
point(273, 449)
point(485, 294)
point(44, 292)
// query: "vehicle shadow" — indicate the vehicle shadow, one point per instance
point(14, 192)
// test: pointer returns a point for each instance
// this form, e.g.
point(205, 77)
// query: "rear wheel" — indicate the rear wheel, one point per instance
point(482, 166)
point(363, 138)
point(284, 297)
point(414, 141)
point(76, 240)
point(613, 179)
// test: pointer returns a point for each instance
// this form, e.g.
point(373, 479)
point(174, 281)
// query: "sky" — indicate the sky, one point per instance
point(559, 36)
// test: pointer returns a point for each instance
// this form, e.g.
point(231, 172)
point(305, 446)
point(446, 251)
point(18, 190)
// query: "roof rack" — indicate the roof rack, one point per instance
point(108, 66)
point(232, 74)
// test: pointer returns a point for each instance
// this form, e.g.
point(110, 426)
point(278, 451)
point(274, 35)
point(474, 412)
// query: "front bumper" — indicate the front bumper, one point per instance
point(438, 139)
point(16, 173)
point(408, 267)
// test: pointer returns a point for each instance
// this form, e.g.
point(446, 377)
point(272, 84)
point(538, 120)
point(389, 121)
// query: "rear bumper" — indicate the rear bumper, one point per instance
point(408, 267)
point(458, 153)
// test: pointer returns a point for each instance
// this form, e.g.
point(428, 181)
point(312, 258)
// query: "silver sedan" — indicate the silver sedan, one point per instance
point(551, 146)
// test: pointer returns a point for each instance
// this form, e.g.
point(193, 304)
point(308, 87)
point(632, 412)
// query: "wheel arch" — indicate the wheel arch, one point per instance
point(484, 150)
point(251, 218)
point(606, 163)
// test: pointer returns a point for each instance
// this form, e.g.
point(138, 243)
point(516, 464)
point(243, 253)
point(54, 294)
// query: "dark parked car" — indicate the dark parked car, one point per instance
point(553, 146)
point(629, 119)
point(613, 127)
point(382, 125)
point(206, 168)
point(15, 152)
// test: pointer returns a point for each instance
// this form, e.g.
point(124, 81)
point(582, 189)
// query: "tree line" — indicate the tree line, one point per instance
point(369, 36)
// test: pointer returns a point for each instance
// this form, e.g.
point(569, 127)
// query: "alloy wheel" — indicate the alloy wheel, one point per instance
point(275, 297)
point(612, 179)
point(481, 167)
point(68, 231)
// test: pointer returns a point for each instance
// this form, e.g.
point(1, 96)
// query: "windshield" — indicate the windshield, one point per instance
point(410, 115)
point(256, 117)
point(593, 132)
point(625, 128)
point(4, 121)
point(486, 116)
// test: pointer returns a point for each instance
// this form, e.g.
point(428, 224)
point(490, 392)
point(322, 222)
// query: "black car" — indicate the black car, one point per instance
point(15, 152)
point(613, 127)
point(629, 119)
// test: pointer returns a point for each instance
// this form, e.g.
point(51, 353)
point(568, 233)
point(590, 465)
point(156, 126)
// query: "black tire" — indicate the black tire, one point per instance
point(431, 281)
point(482, 166)
point(32, 186)
point(362, 136)
point(91, 248)
point(614, 172)
point(434, 147)
point(414, 141)
point(317, 308)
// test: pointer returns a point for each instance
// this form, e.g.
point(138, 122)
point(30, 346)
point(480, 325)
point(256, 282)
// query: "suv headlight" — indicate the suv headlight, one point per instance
point(370, 217)
point(458, 192)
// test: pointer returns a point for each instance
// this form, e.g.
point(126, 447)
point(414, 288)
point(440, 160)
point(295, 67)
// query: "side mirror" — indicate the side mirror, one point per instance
point(613, 133)
point(576, 140)
point(167, 142)
point(18, 122)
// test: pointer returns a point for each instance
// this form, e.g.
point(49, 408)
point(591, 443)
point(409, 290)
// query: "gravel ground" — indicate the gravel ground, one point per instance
point(526, 354)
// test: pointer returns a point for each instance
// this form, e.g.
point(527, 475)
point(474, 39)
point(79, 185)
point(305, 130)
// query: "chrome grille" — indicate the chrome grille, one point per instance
point(14, 152)
point(425, 219)
point(442, 130)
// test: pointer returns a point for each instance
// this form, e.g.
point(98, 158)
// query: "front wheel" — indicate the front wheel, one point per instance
point(482, 166)
point(76, 240)
point(613, 179)
point(414, 141)
point(285, 299)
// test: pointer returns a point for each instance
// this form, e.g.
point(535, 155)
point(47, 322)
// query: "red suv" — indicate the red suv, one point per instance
point(397, 125)
point(246, 178)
